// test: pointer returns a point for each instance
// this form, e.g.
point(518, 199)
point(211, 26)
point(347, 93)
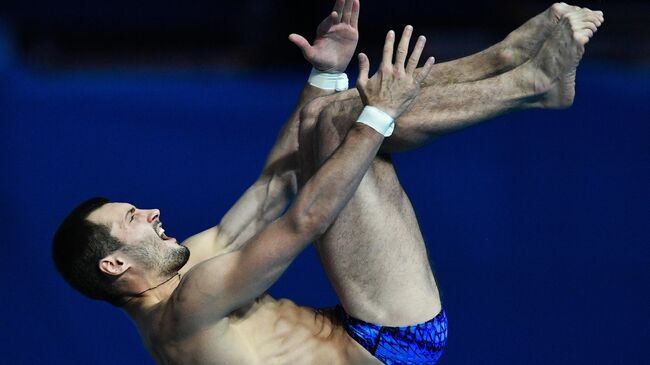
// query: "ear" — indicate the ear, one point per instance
point(114, 264)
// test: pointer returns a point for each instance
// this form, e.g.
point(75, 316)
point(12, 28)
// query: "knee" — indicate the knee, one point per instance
point(327, 133)
point(331, 127)
point(310, 112)
point(317, 120)
point(339, 115)
point(325, 121)
point(328, 114)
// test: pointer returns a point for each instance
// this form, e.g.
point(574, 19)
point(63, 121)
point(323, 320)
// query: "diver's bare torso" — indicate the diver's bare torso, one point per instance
point(268, 331)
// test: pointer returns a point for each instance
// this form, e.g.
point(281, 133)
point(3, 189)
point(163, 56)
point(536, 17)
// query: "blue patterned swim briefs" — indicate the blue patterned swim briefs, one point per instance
point(410, 345)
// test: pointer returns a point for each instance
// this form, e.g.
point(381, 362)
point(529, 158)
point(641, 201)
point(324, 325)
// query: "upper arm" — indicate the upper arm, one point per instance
point(276, 186)
point(261, 204)
point(214, 288)
point(265, 200)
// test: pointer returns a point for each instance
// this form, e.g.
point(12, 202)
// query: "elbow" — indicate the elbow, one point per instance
point(319, 226)
point(309, 224)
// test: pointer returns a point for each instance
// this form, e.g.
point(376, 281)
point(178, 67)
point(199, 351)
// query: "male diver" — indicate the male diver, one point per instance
point(215, 311)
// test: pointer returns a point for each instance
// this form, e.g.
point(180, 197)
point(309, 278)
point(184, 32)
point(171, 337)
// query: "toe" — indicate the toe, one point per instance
point(560, 9)
point(594, 18)
point(589, 25)
point(581, 37)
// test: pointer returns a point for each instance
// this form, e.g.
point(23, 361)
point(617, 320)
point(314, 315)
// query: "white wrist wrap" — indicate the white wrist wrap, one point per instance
point(377, 120)
point(328, 81)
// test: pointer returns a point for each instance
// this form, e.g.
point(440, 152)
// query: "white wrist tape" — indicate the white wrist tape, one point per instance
point(328, 81)
point(377, 120)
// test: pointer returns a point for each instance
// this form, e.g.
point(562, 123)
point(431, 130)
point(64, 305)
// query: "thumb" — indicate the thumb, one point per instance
point(364, 68)
point(299, 41)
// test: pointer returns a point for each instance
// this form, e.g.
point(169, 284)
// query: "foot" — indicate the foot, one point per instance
point(553, 69)
point(524, 42)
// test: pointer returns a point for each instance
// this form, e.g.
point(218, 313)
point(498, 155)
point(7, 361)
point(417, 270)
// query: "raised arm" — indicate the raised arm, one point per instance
point(266, 199)
point(218, 286)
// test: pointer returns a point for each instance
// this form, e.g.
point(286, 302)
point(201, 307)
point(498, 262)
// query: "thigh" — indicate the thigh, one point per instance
point(374, 253)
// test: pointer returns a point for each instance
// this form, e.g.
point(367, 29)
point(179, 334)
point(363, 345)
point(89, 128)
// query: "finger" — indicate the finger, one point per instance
point(403, 47)
point(581, 37)
point(415, 56)
point(356, 6)
point(364, 68)
point(333, 19)
point(426, 70)
point(347, 11)
point(387, 58)
point(338, 8)
point(299, 41)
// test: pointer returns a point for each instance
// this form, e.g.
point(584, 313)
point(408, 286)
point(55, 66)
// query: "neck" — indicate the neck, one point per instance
point(137, 304)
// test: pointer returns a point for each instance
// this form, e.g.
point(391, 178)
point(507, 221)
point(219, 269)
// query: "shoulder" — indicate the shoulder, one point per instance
point(201, 239)
point(204, 290)
point(203, 246)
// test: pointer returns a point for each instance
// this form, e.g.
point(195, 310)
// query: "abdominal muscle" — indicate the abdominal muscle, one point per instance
point(270, 332)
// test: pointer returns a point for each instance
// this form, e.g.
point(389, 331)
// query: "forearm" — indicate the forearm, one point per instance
point(271, 251)
point(247, 273)
point(263, 202)
point(256, 266)
point(267, 198)
point(331, 51)
point(386, 96)
point(322, 198)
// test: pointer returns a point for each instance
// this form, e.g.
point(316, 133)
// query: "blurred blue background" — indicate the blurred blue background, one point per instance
point(536, 223)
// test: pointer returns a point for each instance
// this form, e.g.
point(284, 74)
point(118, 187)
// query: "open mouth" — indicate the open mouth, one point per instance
point(160, 231)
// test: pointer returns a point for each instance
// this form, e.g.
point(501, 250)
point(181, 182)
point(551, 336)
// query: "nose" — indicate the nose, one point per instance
point(152, 215)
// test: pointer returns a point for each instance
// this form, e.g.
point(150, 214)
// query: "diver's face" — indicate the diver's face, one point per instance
point(141, 232)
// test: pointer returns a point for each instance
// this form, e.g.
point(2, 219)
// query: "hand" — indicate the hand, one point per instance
point(336, 38)
point(393, 87)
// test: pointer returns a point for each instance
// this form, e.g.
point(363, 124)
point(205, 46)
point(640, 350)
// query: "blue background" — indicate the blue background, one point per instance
point(536, 223)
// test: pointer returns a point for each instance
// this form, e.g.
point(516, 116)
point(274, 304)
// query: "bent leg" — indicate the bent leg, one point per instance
point(375, 239)
point(546, 81)
point(374, 253)
point(441, 109)
point(437, 110)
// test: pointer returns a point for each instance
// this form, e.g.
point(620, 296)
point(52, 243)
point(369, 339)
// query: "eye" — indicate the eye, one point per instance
point(132, 217)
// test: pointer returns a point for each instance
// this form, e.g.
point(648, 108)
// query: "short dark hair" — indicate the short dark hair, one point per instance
point(77, 247)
